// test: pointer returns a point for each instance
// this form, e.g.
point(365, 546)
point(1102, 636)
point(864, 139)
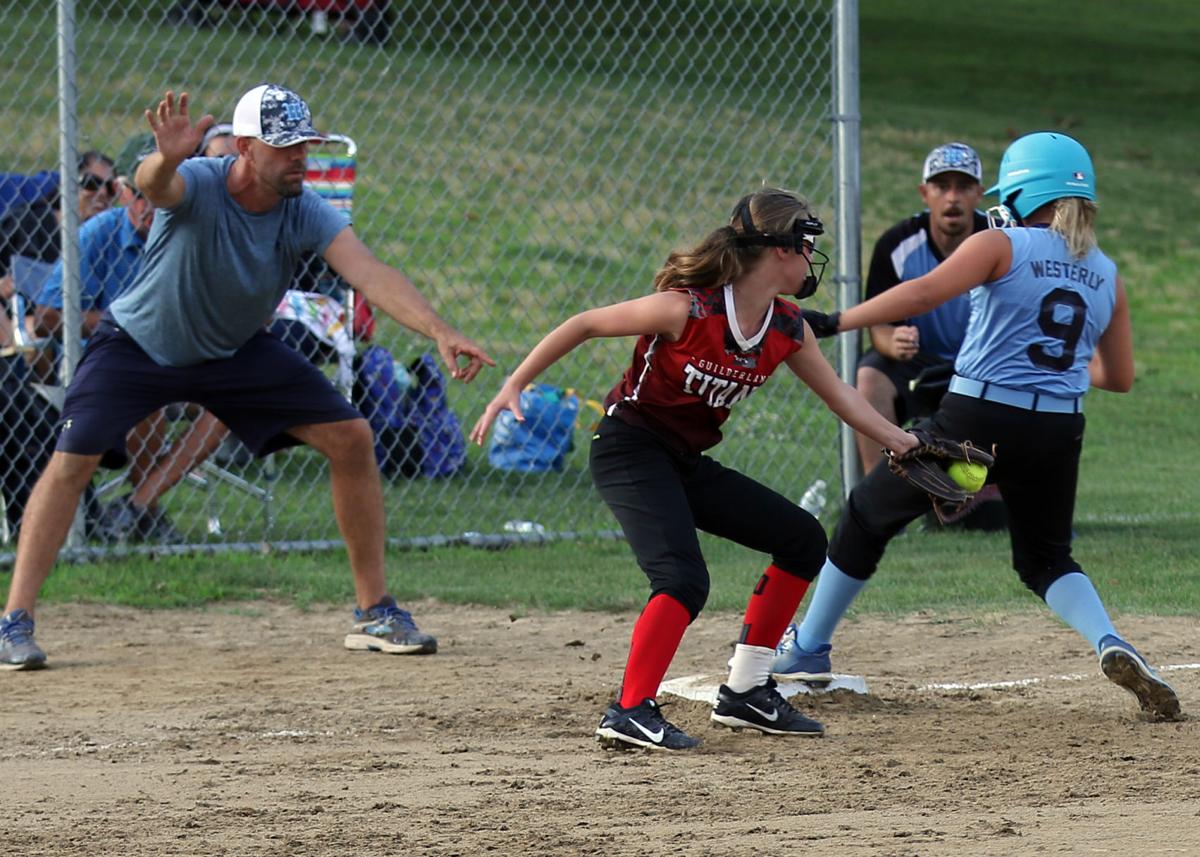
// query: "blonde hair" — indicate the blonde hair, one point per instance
point(718, 259)
point(1075, 219)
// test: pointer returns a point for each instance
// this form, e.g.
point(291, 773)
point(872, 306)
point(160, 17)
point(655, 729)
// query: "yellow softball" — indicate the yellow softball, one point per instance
point(968, 475)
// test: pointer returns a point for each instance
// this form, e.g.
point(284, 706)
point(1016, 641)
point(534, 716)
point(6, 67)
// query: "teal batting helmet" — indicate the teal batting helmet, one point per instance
point(1040, 168)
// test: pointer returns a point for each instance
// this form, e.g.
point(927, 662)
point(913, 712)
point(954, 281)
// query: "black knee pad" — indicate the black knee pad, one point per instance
point(854, 549)
point(691, 592)
point(1039, 579)
point(802, 550)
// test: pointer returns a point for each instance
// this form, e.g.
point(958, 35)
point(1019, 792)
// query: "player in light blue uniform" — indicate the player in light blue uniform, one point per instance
point(1049, 318)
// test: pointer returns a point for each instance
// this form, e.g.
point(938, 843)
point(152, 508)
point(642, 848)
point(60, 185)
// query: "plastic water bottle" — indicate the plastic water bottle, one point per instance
point(404, 378)
point(813, 500)
point(524, 527)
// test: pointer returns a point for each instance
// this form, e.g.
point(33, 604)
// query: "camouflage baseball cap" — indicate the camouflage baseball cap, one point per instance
point(275, 115)
point(953, 158)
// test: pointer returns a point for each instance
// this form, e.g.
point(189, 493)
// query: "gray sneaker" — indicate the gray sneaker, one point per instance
point(18, 651)
point(1126, 668)
point(387, 628)
point(161, 530)
point(121, 521)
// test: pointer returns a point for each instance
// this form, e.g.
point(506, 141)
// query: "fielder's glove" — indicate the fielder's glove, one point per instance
point(925, 467)
point(822, 324)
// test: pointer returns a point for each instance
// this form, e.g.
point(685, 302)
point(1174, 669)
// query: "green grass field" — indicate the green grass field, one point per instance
point(1128, 85)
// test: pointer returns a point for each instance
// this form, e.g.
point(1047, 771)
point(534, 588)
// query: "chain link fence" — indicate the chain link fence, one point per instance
point(518, 160)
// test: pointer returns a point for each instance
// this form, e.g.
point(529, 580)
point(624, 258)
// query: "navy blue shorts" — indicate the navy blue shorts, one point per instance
point(260, 392)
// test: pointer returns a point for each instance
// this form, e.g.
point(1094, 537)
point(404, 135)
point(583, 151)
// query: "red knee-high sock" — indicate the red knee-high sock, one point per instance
point(656, 636)
point(771, 607)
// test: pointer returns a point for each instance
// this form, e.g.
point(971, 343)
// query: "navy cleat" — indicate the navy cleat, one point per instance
point(18, 651)
point(387, 628)
point(1128, 669)
point(764, 709)
point(793, 663)
point(641, 725)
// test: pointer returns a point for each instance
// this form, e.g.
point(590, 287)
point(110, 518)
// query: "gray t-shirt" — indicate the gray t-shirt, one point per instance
point(213, 272)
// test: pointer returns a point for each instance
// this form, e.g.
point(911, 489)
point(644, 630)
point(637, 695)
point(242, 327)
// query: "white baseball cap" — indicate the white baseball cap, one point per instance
point(275, 115)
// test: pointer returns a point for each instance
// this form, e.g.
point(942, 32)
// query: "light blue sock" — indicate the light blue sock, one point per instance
point(832, 597)
point(1078, 604)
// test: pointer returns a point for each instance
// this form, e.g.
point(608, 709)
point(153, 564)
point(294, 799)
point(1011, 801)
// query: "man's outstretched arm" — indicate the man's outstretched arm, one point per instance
point(391, 291)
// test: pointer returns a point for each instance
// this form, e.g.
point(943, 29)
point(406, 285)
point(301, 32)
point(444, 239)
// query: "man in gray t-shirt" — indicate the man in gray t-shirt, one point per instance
point(225, 241)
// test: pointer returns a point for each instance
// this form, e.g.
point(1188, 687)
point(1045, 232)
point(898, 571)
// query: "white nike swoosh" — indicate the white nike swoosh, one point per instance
point(773, 716)
point(656, 737)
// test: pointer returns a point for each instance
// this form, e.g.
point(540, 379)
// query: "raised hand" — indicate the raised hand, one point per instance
point(173, 131)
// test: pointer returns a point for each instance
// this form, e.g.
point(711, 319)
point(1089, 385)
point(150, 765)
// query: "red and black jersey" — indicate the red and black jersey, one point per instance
point(683, 390)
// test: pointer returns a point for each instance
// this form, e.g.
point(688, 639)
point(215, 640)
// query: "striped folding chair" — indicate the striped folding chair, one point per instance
point(331, 173)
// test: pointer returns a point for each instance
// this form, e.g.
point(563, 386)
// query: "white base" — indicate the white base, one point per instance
point(704, 687)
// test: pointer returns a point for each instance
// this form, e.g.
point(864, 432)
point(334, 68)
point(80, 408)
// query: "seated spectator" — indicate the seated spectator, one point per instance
point(33, 228)
point(30, 226)
point(110, 255)
point(218, 141)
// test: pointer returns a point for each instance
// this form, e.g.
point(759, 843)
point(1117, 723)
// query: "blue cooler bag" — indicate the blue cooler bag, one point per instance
point(542, 442)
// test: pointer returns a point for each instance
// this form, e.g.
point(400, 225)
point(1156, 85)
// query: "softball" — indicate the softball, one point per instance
point(968, 475)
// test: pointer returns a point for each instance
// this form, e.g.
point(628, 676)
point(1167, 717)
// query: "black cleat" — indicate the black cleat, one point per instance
point(764, 709)
point(641, 726)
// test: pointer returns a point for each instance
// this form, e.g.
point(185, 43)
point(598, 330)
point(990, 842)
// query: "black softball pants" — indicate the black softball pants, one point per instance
point(661, 497)
point(1036, 470)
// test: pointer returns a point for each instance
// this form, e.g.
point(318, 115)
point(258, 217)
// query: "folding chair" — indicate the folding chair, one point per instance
point(28, 276)
point(331, 173)
point(332, 169)
point(30, 409)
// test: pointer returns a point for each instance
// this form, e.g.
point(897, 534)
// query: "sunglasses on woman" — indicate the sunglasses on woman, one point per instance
point(91, 183)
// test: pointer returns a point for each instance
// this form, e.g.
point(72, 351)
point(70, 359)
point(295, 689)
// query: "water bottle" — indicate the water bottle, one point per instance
point(525, 527)
point(813, 500)
point(404, 378)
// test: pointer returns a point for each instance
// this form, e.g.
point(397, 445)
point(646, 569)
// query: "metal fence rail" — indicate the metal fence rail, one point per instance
point(519, 160)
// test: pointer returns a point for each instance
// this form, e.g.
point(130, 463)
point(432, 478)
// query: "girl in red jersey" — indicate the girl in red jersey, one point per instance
point(712, 333)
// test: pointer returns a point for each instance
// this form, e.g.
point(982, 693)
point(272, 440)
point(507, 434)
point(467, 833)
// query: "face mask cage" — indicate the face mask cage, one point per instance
point(1004, 216)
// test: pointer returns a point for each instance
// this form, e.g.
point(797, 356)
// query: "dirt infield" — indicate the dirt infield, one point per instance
point(249, 730)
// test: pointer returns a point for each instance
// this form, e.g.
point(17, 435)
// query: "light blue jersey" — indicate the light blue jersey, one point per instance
point(1035, 328)
point(213, 272)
